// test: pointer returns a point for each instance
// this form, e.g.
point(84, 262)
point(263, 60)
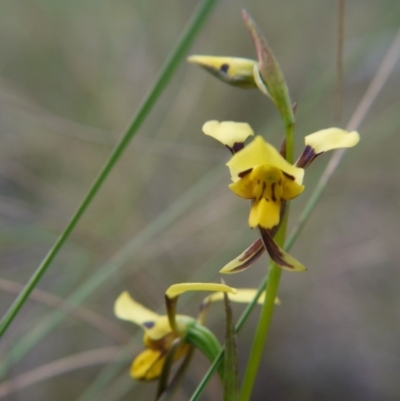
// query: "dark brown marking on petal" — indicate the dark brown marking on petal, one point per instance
point(224, 68)
point(280, 182)
point(291, 177)
point(273, 191)
point(273, 249)
point(249, 261)
point(263, 189)
point(253, 248)
point(237, 146)
point(245, 172)
point(149, 324)
point(306, 157)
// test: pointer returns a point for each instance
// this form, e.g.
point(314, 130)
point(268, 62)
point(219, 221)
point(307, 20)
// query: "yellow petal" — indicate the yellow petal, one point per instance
point(291, 189)
point(161, 327)
point(228, 132)
point(178, 289)
point(264, 213)
point(157, 329)
point(246, 187)
point(331, 138)
point(127, 308)
point(156, 326)
point(243, 295)
point(233, 70)
point(260, 152)
point(147, 365)
point(245, 259)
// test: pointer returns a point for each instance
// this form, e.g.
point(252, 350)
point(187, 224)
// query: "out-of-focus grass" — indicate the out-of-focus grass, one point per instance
point(72, 73)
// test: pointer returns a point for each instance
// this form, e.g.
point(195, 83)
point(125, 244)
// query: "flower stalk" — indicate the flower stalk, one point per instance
point(272, 76)
point(264, 323)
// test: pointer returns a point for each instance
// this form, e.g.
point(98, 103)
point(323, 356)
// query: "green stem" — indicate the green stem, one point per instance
point(288, 121)
point(166, 73)
point(274, 271)
point(271, 287)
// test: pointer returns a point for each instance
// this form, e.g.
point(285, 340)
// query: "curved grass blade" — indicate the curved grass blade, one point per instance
point(166, 73)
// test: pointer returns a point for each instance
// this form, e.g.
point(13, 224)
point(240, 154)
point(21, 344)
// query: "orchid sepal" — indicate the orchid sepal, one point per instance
point(278, 255)
point(245, 259)
point(235, 71)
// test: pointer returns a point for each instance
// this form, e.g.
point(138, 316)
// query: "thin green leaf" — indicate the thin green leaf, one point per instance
point(168, 69)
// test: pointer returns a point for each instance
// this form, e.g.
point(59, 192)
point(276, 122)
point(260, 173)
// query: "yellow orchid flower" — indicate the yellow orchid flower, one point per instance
point(162, 331)
point(235, 71)
point(158, 336)
point(260, 174)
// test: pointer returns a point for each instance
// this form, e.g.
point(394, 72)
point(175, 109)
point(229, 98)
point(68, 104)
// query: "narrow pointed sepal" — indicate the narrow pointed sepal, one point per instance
point(243, 295)
point(177, 289)
point(234, 71)
point(278, 255)
point(245, 259)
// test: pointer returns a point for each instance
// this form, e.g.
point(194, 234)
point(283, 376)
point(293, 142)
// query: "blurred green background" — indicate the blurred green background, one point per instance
point(72, 73)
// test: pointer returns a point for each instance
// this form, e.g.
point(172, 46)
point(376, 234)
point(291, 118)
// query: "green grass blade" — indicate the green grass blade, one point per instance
point(167, 71)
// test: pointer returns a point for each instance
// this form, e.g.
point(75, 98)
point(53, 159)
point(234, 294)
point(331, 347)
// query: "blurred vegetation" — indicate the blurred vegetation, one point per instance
point(71, 76)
